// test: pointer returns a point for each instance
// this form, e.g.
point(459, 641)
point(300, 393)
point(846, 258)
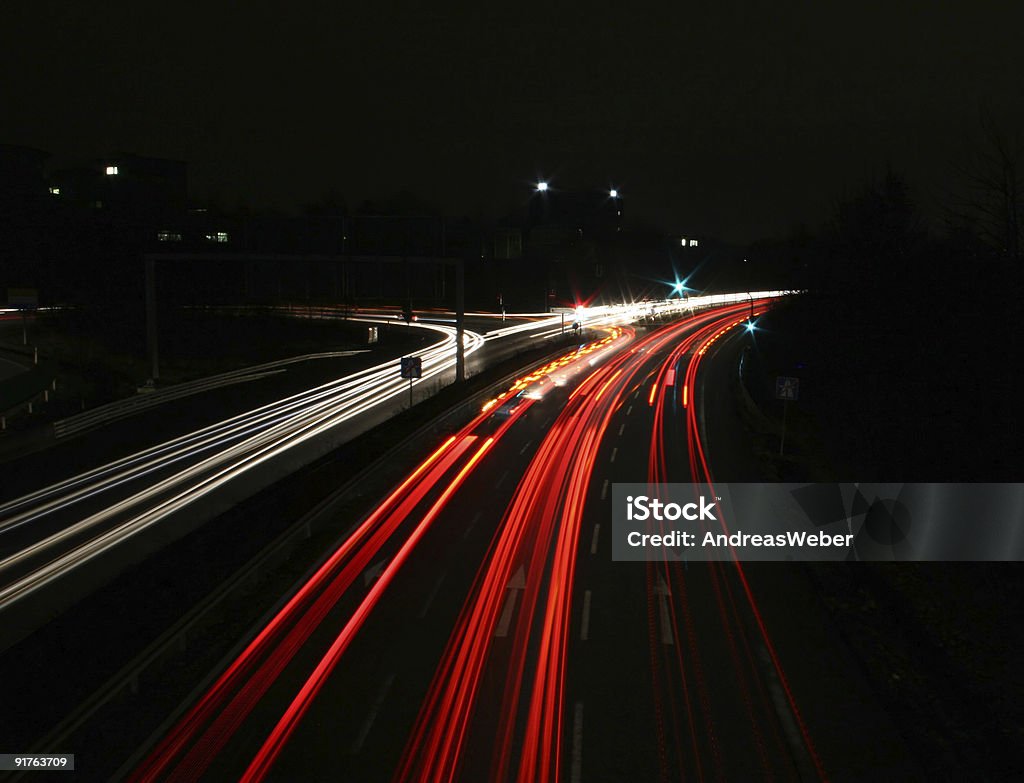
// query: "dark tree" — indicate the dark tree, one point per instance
point(987, 204)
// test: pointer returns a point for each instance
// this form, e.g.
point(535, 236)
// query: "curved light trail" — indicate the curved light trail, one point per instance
point(201, 461)
point(539, 533)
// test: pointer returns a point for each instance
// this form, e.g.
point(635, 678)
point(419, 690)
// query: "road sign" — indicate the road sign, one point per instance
point(787, 388)
point(412, 367)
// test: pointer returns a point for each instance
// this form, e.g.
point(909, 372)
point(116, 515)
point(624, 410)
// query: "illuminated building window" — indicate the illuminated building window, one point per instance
point(220, 236)
point(111, 171)
point(693, 243)
point(55, 191)
point(682, 242)
point(168, 236)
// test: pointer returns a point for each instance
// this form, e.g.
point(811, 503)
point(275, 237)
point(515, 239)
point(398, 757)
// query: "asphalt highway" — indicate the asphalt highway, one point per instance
point(475, 626)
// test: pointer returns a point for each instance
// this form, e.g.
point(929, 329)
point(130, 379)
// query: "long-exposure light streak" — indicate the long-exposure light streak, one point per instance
point(540, 533)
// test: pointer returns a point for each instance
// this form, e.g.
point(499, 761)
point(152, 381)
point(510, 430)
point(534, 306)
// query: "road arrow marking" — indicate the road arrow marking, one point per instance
point(515, 584)
point(370, 574)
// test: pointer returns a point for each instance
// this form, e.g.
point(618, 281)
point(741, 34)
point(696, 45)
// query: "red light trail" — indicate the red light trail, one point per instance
point(521, 683)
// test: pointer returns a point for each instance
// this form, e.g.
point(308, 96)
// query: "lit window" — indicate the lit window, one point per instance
point(693, 243)
point(168, 236)
point(55, 191)
point(683, 241)
point(220, 236)
point(111, 171)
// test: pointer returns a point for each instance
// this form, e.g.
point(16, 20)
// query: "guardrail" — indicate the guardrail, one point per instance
point(174, 641)
point(112, 411)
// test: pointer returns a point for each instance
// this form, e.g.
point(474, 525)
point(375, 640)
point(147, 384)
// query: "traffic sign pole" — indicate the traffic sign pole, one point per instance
point(782, 442)
point(786, 388)
point(411, 367)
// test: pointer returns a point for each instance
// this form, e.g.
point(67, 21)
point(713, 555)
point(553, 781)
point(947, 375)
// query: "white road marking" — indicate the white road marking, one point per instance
point(364, 732)
point(664, 593)
point(472, 522)
point(629, 410)
point(604, 490)
point(593, 541)
point(501, 480)
point(585, 624)
point(614, 452)
point(576, 773)
point(621, 429)
point(431, 597)
point(524, 448)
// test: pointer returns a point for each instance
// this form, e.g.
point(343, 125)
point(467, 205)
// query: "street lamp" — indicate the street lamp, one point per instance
point(613, 193)
point(542, 186)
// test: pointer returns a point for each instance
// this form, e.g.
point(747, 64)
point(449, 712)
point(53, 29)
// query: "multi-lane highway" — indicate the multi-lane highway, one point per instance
point(59, 528)
point(475, 627)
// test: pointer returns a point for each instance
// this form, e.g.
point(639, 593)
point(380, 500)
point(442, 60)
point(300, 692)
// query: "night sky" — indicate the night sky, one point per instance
point(739, 120)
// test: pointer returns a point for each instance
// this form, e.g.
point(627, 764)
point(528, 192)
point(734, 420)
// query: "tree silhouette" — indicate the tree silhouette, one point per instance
point(987, 204)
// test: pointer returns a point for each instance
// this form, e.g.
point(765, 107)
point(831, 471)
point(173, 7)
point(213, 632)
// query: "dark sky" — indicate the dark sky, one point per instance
point(737, 119)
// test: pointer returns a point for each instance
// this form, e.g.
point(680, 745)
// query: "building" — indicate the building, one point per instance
point(130, 185)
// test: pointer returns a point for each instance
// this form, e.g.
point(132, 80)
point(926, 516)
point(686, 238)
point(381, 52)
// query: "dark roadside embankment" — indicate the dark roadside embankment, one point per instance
point(892, 391)
point(99, 355)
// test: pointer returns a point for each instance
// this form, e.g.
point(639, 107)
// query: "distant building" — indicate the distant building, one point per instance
point(22, 173)
point(129, 184)
point(508, 243)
